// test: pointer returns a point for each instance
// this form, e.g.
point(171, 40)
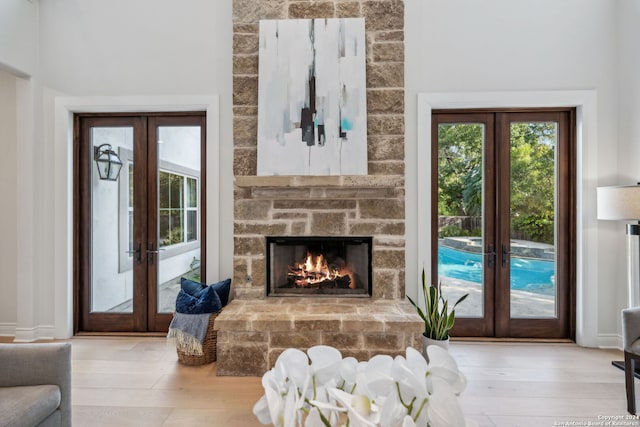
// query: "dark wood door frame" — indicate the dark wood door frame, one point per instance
point(471, 327)
point(160, 322)
point(497, 321)
point(558, 327)
point(145, 160)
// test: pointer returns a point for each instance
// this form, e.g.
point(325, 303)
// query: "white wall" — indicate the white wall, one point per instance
point(505, 45)
point(180, 49)
point(8, 196)
point(628, 66)
point(629, 90)
point(19, 36)
point(144, 48)
point(19, 57)
point(157, 54)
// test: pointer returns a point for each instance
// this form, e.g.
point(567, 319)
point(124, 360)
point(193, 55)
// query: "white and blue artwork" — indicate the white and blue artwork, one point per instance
point(312, 105)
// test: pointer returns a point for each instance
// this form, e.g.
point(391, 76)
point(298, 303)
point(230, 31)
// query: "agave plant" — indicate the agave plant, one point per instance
point(438, 320)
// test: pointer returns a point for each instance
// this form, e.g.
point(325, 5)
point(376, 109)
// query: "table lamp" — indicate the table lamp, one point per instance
point(623, 203)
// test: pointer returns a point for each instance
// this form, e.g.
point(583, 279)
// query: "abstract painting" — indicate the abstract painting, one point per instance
point(312, 106)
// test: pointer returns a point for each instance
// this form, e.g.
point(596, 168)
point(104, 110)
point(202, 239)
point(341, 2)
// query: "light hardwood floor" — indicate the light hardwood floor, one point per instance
point(139, 382)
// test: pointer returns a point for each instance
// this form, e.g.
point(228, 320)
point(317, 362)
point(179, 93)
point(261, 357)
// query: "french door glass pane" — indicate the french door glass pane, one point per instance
point(460, 215)
point(178, 210)
point(111, 225)
point(532, 226)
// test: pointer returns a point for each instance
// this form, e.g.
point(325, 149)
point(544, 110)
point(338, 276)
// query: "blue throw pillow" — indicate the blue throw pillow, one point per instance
point(207, 302)
point(191, 287)
point(222, 289)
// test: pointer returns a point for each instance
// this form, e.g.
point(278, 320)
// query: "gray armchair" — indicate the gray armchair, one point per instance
point(631, 347)
point(35, 384)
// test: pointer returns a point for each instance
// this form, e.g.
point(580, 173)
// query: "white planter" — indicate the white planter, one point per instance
point(426, 342)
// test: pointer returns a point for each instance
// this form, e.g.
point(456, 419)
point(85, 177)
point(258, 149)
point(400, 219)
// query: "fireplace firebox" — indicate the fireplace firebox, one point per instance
point(319, 266)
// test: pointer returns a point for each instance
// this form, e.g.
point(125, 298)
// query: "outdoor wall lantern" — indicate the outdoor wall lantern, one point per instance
point(108, 162)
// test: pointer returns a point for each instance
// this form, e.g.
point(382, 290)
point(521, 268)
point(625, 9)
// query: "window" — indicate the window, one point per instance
point(178, 221)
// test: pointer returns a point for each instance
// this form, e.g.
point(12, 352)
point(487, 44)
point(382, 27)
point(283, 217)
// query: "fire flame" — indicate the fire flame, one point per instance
point(315, 270)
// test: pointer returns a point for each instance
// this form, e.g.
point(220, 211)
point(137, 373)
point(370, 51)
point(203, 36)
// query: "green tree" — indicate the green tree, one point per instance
point(533, 180)
point(460, 169)
point(532, 175)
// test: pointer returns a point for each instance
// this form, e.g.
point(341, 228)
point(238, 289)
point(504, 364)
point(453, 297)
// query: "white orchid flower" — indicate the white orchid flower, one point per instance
point(362, 412)
point(329, 409)
point(408, 422)
point(443, 408)
point(410, 375)
point(348, 372)
point(443, 365)
point(324, 373)
point(284, 386)
point(261, 411)
point(376, 379)
point(290, 415)
point(269, 409)
point(314, 419)
point(410, 387)
point(325, 363)
point(275, 408)
point(293, 364)
point(320, 389)
point(392, 411)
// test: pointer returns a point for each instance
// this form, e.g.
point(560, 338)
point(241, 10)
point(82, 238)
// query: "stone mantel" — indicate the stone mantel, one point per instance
point(339, 181)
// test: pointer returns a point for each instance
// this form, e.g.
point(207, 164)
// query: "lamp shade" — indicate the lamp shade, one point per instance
point(619, 202)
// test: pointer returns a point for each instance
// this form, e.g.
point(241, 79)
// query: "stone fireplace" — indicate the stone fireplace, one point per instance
point(255, 328)
point(318, 266)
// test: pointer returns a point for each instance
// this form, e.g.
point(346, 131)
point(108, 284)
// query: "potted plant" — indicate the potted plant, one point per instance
point(438, 320)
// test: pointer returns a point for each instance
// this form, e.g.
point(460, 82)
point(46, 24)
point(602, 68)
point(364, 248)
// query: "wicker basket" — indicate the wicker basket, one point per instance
point(208, 347)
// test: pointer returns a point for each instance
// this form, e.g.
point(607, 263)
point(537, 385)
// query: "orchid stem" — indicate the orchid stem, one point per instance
point(313, 378)
point(324, 419)
point(409, 406)
point(424, 402)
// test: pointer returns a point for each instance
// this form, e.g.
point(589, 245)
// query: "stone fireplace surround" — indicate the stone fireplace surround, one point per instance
point(254, 329)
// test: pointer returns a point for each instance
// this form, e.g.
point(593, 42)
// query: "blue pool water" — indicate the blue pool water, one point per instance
point(532, 275)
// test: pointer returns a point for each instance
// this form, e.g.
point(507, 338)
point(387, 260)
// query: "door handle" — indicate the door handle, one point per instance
point(151, 252)
point(491, 261)
point(505, 255)
point(137, 253)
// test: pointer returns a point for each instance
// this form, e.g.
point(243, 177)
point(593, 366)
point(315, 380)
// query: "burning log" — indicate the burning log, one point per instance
point(316, 272)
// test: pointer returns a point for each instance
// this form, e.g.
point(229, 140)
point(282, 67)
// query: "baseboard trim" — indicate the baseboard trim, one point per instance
point(38, 333)
point(121, 334)
point(7, 329)
point(607, 341)
point(507, 340)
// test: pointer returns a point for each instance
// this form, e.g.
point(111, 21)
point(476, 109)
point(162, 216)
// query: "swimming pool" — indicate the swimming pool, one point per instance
point(532, 275)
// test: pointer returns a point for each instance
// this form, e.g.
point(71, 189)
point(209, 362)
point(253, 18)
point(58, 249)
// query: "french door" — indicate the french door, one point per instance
point(503, 206)
point(137, 234)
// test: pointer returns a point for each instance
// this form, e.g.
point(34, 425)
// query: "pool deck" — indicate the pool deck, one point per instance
point(520, 248)
point(523, 304)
